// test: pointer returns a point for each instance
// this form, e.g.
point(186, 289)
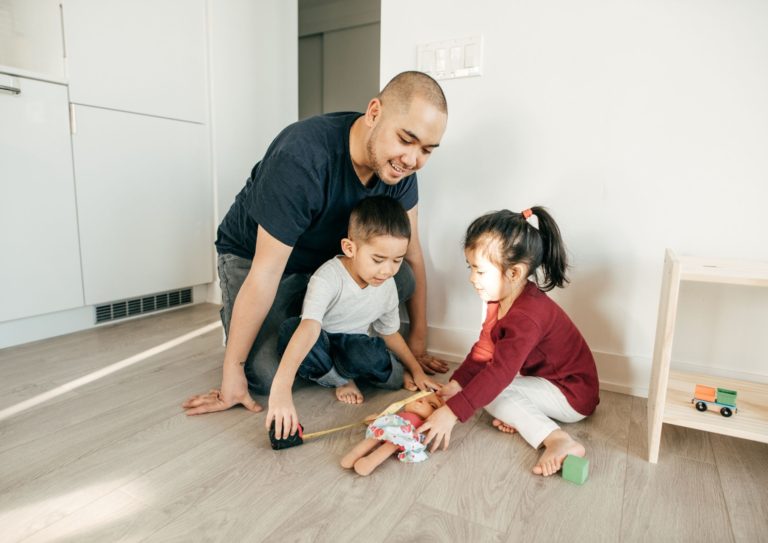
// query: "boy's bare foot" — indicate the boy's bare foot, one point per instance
point(349, 393)
point(559, 444)
point(503, 427)
point(408, 382)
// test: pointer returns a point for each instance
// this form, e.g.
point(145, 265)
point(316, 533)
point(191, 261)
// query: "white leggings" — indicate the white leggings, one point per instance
point(529, 404)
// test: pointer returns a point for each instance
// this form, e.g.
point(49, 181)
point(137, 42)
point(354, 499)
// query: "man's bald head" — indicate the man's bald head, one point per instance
point(406, 86)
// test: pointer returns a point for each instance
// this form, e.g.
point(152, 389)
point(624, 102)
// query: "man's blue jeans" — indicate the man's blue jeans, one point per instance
point(336, 358)
point(261, 364)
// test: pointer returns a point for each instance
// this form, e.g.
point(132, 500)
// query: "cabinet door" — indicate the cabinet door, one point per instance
point(39, 251)
point(145, 203)
point(144, 56)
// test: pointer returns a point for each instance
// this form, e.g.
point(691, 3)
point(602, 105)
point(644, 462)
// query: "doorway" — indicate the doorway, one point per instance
point(338, 55)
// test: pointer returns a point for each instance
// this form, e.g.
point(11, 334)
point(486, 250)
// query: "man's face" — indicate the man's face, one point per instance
point(376, 260)
point(401, 141)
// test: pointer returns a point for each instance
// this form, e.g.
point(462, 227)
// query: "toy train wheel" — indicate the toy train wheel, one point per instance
point(726, 412)
point(701, 406)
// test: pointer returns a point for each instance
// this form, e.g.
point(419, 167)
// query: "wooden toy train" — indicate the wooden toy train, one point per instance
point(721, 398)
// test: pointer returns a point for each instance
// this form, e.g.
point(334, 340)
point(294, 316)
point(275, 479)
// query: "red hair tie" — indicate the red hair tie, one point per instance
point(527, 213)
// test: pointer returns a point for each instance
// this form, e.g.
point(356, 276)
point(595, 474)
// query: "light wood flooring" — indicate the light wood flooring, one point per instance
point(117, 460)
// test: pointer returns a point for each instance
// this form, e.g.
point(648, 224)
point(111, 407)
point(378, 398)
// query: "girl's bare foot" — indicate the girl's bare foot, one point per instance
point(559, 444)
point(408, 382)
point(349, 393)
point(503, 427)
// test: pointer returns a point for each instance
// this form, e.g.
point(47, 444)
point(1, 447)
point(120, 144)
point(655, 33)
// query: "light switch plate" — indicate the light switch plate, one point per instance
point(450, 59)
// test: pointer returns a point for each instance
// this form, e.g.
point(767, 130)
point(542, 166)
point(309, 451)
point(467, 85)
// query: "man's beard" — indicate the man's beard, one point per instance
point(373, 157)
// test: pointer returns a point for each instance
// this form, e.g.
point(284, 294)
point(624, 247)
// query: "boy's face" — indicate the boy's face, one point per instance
point(374, 261)
point(425, 406)
point(401, 141)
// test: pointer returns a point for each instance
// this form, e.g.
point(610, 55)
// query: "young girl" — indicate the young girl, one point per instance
point(391, 434)
point(531, 365)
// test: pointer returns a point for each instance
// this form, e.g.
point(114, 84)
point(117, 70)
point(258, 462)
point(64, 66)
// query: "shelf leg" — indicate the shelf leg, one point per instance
point(662, 352)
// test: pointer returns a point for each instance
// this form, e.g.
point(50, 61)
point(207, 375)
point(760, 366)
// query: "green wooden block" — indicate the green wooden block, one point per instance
point(575, 469)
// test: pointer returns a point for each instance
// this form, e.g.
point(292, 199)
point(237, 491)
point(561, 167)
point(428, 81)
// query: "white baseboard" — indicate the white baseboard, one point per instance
point(627, 374)
point(18, 332)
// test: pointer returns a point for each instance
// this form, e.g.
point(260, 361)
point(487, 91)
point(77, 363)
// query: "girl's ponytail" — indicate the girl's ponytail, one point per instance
point(554, 260)
point(511, 238)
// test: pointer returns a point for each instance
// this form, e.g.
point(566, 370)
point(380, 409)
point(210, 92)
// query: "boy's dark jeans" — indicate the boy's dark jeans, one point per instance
point(262, 362)
point(336, 358)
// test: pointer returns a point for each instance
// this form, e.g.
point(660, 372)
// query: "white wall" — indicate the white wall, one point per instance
point(641, 125)
point(253, 55)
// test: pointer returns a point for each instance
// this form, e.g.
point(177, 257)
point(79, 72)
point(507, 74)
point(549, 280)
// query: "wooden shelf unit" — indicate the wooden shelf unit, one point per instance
point(670, 392)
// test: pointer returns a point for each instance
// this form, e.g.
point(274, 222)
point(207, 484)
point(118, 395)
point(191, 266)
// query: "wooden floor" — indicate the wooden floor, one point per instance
point(117, 460)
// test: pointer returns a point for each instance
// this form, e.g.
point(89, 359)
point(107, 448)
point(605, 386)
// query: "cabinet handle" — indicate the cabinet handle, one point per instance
point(14, 90)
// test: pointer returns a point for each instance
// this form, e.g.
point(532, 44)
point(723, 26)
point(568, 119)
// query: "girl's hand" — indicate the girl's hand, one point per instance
point(446, 392)
point(282, 411)
point(438, 427)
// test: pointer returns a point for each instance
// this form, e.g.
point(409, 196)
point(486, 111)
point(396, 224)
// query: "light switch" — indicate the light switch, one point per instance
point(427, 60)
point(449, 59)
point(471, 55)
point(457, 56)
point(441, 60)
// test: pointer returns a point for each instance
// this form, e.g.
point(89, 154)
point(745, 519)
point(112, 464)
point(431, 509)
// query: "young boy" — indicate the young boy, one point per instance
point(347, 296)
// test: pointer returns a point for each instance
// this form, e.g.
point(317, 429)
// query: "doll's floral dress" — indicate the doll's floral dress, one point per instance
point(401, 432)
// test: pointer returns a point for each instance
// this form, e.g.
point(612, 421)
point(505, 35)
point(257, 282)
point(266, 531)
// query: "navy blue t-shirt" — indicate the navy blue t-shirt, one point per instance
point(302, 192)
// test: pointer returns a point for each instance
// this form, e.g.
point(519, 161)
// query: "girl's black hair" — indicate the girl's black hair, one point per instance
point(507, 238)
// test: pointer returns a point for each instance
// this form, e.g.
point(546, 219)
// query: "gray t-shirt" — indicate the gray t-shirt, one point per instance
point(338, 303)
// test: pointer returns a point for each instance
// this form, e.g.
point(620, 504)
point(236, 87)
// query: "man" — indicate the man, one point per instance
point(293, 212)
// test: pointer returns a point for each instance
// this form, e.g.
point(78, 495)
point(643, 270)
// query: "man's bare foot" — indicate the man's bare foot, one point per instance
point(408, 382)
point(349, 393)
point(503, 427)
point(559, 444)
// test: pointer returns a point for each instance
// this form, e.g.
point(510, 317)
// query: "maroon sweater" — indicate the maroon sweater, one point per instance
point(534, 338)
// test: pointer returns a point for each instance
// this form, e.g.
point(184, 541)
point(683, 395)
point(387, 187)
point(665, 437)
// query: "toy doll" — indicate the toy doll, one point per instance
point(393, 433)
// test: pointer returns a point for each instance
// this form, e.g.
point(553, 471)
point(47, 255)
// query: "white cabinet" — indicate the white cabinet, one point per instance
point(39, 251)
point(145, 203)
point(137, 76)
point(31, 39)
point(142, 56)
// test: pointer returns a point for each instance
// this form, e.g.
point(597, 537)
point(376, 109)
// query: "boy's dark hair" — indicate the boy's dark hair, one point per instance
point(507, 238)
point(378, 216)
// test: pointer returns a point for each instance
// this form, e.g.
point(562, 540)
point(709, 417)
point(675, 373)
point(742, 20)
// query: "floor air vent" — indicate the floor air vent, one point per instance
point(145, 304)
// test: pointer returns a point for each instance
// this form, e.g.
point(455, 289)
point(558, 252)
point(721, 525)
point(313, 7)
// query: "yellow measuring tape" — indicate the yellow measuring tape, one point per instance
point(391, 409)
